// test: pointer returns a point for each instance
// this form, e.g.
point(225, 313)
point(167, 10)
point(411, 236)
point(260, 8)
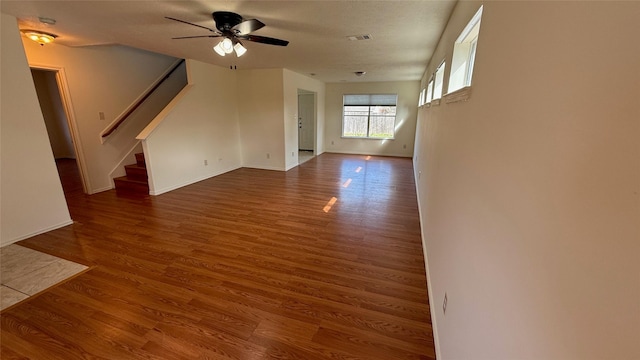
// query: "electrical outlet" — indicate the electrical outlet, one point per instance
point(101, 115)
point(292, 153)
point(206, 162)
point(268, 156)
point(331, 142)
point(444, 304)
point(404, 146)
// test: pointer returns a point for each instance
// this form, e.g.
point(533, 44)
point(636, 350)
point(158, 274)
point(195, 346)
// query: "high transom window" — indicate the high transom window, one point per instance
point(464, 54)
point(369, 116)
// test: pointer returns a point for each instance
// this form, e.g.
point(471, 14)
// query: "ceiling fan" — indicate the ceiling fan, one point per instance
point(233, 28)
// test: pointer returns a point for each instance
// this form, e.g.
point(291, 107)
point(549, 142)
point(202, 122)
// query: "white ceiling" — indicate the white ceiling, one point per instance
point(404, 33)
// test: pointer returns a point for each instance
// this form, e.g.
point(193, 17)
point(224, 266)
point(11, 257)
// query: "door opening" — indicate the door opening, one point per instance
point(61, 137)
point(306, 125)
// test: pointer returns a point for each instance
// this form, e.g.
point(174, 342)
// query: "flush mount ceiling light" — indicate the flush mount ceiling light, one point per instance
point(39, 36)
point(226, 46)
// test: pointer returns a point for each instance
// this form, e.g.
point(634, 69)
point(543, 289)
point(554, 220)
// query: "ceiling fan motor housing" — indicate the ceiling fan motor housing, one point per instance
point(226, 20)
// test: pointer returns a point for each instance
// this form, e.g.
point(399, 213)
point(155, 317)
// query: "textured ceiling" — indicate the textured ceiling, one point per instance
point(404, 33)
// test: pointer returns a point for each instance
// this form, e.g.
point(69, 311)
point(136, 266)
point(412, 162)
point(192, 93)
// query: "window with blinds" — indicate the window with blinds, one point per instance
point(369, 116)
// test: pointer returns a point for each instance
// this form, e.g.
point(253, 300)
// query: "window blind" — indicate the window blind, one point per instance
point(370, 99)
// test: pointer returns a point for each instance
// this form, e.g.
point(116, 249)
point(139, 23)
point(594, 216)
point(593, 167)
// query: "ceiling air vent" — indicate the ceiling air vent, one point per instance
point(359, 37)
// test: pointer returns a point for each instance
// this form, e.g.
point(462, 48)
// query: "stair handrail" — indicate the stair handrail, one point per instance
point(123, 117)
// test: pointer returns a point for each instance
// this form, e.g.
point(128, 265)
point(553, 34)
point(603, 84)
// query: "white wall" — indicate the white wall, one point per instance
point(218, 111)
point(31, 197)
point(292, 82)
point(261, 114)
point(101, 79)
point(529, 191)
point(402, 145)
point(201, 125)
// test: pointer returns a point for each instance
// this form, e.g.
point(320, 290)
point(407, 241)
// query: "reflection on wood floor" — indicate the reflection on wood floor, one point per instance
point(321, 262)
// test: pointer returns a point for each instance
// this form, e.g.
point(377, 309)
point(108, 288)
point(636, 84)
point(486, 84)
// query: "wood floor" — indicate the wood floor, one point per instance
point(321, 262)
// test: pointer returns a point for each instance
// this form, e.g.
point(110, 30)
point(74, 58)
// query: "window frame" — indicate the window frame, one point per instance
point(471, 62)
point(369, 116)
point(439, 81)
point(464, 54)
point(429, 91)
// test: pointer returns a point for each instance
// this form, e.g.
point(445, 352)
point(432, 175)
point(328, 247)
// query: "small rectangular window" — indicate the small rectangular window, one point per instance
point(464, 54)
point(472, 60)
point(369, 116)
point(437, 90)
point(429, 91)
point(422, 97)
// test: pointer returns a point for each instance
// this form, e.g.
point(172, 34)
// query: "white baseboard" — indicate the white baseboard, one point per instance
point(155, 192)
point(264, 168)
point(95, 191)
point(38, 232)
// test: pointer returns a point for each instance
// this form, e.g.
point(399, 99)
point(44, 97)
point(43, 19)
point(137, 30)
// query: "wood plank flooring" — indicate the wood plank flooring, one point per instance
point(252, 264)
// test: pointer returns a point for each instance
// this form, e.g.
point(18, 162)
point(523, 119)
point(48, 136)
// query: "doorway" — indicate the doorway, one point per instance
point(61, 137)
point(306, 125)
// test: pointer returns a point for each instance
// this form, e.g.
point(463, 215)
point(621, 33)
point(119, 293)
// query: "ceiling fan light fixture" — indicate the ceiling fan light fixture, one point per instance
point(218, 49)
point(240, 50)
point(39, 36)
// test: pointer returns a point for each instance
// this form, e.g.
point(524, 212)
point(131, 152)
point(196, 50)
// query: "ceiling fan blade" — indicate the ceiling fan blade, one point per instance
point(198, 36)
point(186, 22)
point(264, 40)
point(248, 26)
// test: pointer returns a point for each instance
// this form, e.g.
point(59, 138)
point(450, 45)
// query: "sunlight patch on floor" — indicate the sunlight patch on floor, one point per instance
point(330, 204)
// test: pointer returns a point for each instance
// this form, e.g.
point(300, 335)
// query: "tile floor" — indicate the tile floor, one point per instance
point(304, 155)
point(25, 272)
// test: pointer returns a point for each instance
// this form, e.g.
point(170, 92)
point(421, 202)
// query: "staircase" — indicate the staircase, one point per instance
point(136, 181)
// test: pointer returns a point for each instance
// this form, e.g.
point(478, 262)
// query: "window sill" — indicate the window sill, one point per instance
point(365, 138)
point(459, 95)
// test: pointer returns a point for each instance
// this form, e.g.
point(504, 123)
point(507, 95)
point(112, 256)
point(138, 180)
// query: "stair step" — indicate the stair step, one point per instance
point(140, 160)
point(124, 183)
point(136, 172)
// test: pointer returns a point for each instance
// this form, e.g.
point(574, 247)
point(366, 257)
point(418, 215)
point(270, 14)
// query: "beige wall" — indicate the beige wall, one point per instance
point(529, 191)
point(402, 145)
point(101, 79)
point(203, 126)
point(261, 116)
point(31, 197)
point(218, 111)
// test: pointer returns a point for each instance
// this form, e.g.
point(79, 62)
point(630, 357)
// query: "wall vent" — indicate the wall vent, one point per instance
point(359, 37)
